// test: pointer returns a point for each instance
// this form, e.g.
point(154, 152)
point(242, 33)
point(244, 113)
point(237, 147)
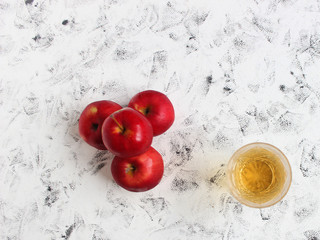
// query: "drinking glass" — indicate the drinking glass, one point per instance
point(259, 175)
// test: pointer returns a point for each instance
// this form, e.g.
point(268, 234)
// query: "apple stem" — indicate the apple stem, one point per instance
point(146, 111)
point(130, 169)
point(95, 126)
point(119, 125)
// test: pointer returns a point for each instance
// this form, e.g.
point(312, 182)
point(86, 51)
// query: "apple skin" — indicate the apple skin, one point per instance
point(91, 120)
point(139, 173)
point(127, 133)
point(156, 107)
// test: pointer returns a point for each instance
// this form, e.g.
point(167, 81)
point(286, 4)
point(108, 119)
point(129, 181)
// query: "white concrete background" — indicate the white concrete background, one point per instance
point(236, 72)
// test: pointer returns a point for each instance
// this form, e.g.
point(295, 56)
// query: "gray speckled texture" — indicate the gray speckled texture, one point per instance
point(236, 72)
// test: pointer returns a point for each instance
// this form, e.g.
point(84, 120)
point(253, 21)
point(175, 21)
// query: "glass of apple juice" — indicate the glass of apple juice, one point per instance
point(259, 175)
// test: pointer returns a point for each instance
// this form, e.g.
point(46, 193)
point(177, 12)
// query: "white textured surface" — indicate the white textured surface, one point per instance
point(236, 72)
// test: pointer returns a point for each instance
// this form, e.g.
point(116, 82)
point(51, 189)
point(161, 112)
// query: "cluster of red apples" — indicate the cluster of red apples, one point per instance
point(127, 133)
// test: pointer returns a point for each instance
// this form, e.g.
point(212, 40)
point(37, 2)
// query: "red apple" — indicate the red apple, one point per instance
point(139, 173)
point(91, 121)
point(156, 107)
point(127, 133)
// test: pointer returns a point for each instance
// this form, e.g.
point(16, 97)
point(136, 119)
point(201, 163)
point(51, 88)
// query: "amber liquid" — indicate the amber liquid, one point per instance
point(259, 175)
